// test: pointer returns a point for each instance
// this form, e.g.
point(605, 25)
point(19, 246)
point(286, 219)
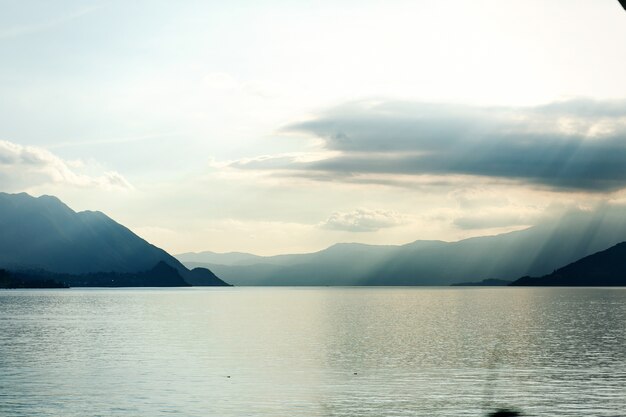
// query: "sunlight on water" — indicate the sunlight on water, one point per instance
point(312, 352)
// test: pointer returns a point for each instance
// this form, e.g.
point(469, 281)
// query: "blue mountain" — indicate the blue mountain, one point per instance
point(43, 234)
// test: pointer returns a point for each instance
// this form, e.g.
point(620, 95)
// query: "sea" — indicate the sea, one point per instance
point(318, 351)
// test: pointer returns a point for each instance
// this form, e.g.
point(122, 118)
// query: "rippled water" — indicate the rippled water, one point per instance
point(312, 352)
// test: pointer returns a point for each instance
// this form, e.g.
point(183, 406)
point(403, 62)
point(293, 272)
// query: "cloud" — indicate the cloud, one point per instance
point(363, 220)
point(569, 145)
point(28, 166)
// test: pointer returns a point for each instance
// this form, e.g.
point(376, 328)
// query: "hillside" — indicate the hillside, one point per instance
point(45, 234)
point(605, 268)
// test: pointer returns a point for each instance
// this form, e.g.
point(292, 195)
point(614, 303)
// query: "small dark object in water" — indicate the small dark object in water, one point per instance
point(505, 413)
point(354, 373)
point(227, 376)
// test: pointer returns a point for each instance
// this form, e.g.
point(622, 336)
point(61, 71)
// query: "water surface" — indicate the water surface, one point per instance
point(367, 352)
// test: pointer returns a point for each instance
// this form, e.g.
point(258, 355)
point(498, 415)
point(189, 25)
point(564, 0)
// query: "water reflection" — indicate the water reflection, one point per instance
point(313, 352)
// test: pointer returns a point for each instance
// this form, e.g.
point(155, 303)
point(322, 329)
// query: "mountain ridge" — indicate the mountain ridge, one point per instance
point(43, 233)
point(603, 268)
point(534, 251)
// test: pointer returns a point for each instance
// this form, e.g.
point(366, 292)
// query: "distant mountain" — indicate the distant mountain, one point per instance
point(605, 268)
point(43, 234)
point(534, 252)
point(231, 258)
point(333, 266)
point(484, 283)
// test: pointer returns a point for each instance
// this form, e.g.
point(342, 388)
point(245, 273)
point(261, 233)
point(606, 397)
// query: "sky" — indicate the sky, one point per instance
point(287, 126)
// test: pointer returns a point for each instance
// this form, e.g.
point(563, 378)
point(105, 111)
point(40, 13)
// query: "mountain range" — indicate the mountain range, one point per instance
point(44, 242)
point(43, 237)
point(535, 251)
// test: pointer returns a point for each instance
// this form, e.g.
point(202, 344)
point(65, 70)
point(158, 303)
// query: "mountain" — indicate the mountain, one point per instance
point(231, 258)
point(535, 252)
point(333, 266)
point(203, 277)
point(44, 234)
point(606, 268)
point(484, 283)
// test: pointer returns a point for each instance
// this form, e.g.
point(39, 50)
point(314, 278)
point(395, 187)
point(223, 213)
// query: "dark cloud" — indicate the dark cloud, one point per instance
point(572, 145)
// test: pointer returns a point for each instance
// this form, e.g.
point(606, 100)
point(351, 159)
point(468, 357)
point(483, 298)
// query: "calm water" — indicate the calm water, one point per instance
point(295, 352)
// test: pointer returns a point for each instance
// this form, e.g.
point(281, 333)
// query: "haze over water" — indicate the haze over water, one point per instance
point(312, 352)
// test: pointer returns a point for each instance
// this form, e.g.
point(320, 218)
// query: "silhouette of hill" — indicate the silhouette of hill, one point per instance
point(534, 252)
point(45, 234)
point(203, 277)
point(605, 268)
